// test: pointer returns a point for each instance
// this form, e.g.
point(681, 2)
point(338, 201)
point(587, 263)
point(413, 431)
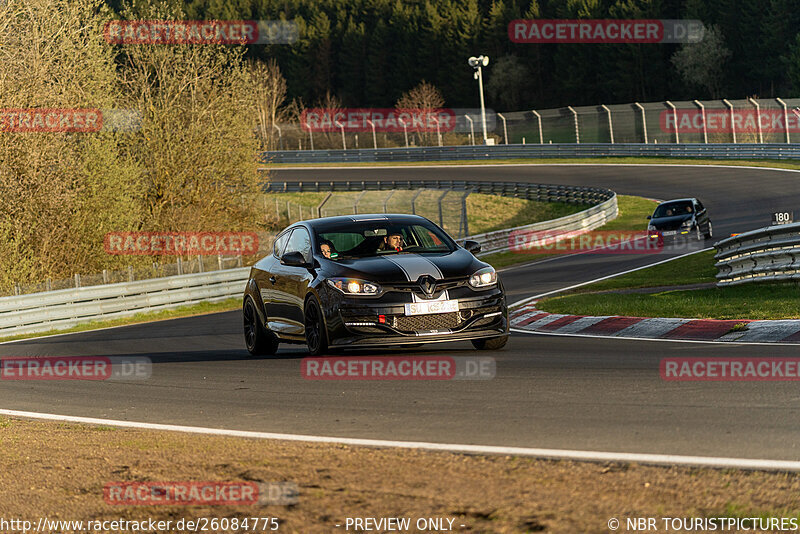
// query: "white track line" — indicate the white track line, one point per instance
point(562, 454)
point(528, 299)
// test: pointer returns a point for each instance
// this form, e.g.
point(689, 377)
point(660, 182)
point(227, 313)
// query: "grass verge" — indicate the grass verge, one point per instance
point(145, 317)
point(753, 301)
point(59, 470)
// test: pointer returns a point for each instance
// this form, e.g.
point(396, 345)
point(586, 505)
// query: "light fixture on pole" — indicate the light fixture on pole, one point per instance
point(478, 63)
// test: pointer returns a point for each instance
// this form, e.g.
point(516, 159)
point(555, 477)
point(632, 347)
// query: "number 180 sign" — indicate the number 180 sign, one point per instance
point(782, 217)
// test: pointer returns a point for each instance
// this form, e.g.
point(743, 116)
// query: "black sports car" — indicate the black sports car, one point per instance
point(372, 281)
point(680, 217)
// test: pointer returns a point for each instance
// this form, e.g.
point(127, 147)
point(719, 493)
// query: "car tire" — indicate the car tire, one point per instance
point(258, 340)
point(490, 343)
point(316, 336)
point(709, 231)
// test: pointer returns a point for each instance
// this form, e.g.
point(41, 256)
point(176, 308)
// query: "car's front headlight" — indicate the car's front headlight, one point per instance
point(352, 286)
point(687, 223)
point(650, 227)
point(484, 277)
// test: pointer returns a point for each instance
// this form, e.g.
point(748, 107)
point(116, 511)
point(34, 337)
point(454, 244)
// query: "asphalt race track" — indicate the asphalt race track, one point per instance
point(549, 391)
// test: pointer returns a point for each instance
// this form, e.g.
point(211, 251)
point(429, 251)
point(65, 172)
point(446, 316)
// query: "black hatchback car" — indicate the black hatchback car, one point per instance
point(683, 217)
point(372, 281)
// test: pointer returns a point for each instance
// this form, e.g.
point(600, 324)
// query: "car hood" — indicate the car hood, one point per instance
point(670, 223)
point(399, 268)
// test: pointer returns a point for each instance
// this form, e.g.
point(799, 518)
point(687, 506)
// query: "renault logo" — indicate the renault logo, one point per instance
point(427, 284)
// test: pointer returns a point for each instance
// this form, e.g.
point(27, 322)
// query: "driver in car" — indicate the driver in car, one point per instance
point(393, 241)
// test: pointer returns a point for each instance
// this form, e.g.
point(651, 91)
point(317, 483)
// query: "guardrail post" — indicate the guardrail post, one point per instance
point(785, 118)
point(644, 120)
point(733, 122)
point(577, 130)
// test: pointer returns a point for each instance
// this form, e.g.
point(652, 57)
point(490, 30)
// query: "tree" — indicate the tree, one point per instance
point(425, 100)
point(507, 84)
point(703, 64)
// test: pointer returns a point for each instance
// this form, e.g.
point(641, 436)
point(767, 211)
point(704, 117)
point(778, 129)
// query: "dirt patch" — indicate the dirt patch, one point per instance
point(59, 471)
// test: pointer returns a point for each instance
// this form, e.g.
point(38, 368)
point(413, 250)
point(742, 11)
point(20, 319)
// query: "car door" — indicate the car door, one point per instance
point(290, 285)
point(701, 215)
point(265, 279)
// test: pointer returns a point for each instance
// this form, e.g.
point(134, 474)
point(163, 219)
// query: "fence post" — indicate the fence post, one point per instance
point(414, 201)
point(575, 118)
point(130, 273)
point(180, 265)
point(200, 265)
point(610, 124)
point(17, 289)
point(386, 200)
point(340, 125)
point(541, 137)
point(703, 111)
point(319, 206)
point(471, 130)
point(785, 118)
point(733, 123)
point(505, 130)
point(311, 137)
point(758, 119)
point(77, 280)
point(105, 278)
point(644, 120)
point(441, 214)
point(405, 129)
point(219, 261)
point(358, 199)
point(49, 284)
point(675, 119)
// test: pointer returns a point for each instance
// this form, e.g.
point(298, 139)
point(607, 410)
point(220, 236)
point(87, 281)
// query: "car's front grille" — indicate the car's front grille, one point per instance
point(433, 321)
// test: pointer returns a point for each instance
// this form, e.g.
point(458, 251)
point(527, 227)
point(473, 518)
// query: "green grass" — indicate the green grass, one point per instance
point(633, 212)
point(145, 317)
point(747, 301)
point(778, 164)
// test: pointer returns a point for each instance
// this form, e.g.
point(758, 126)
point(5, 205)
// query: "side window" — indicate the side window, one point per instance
point(300, 242)
point(280, 244)
point(700, 206)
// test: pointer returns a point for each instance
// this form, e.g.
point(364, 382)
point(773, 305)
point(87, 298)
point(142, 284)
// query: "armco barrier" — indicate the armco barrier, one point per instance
point(594, 150)
point(768, 254)
point(65, 308)
point(53, 310)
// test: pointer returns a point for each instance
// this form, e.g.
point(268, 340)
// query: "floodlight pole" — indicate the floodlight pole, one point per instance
point(478, 63)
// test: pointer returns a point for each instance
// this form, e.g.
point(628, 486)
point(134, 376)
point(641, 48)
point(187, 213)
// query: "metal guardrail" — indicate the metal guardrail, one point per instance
point(585, 220)
point(39, 312)
point(769, 254)
point(53, 310)
point(563, 150)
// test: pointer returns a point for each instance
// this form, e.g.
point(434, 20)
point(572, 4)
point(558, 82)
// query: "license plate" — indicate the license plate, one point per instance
point(436, 306)
point(669, 232)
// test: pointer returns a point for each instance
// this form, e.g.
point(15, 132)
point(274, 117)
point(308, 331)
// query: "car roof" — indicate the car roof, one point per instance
point(688, 199)
point(384, 218)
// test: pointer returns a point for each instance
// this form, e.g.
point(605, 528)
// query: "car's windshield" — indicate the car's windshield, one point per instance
point(673, 209)
point(362, 239)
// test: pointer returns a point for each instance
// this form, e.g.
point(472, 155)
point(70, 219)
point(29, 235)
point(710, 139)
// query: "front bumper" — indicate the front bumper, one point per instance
point(382, 322)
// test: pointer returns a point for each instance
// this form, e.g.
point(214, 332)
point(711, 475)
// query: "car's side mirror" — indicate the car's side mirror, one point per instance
point(473, 246)
point(294, 259)
point(649, 217)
